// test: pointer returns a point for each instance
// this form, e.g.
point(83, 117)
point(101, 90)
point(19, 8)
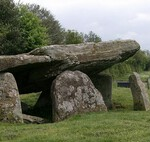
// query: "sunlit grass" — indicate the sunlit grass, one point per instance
point(122, 97)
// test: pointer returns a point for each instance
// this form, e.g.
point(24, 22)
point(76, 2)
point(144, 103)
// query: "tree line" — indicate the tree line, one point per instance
point(24, 27)
point(138, 63)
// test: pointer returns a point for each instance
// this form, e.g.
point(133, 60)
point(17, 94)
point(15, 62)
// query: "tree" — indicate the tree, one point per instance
point(54, 30)
point(33, 34)
point(92, 37)
point(8, 26)
point(138, 62)
point(73, 37)
point(147, 53)
point(20, 30)
point(8, 12)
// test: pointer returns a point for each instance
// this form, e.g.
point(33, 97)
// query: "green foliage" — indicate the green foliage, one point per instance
point(147, 53)
point(20, 30)
point(33, 34)
point(8, 12)
point(138, 63)
point(9, 25)
point(26, 27)
point(54, 30)
point(119, 70)
point(92, 37)
point(73, 37)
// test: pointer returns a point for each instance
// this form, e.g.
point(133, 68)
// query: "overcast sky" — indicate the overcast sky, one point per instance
point(110, 19)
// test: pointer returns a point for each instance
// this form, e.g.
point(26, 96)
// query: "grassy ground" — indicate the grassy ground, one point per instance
point(119, 125)
point(122, 98)
point(30, 99)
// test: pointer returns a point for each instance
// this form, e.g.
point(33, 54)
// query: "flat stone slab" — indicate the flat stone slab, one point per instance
point(28, 119)
point(33, 70)
point(16, 61)
point(89, 56)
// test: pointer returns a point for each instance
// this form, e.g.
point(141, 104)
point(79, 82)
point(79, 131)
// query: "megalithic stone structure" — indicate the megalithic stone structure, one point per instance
point(33, 71)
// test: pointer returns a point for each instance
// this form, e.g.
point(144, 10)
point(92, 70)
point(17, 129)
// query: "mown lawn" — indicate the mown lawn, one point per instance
point(119, 125)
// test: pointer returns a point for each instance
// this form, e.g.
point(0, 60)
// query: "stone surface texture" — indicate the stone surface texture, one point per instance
point(34, 70)
point(139, 93)
point(73, 93)
point(88, 56)
point(103, 83)
point(18, 61)
point(33, 119)
point(10, 106)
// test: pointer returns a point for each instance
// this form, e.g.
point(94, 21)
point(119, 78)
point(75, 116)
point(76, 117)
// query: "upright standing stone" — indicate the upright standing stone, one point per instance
point(139, 93)
point(73, 93)
point(10, 106)
point(43, 105)
point(103, 83)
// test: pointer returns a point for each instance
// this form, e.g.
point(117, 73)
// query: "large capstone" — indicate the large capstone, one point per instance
point(73, 93)
point(10, 106)
point(33, 71)
point(139, 93)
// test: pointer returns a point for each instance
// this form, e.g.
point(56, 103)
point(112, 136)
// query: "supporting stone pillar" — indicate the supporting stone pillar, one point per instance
point(44, 99)
point(10, 106)
point(43, 106)
point(103, 83)
point(139, 93)
point(74, 93)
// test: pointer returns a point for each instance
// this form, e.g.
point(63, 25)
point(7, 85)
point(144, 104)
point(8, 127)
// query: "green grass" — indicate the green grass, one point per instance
point(122, 97)
point(119, 125)
point(124, 126)
point(30, 99)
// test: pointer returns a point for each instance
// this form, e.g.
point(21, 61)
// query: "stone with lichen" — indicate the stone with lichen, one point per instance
point(10, 106)
point(33, 70)
point(139, 93)
point(74, 93)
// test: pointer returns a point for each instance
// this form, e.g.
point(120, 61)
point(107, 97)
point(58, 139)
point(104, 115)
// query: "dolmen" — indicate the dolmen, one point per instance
point(69, 77)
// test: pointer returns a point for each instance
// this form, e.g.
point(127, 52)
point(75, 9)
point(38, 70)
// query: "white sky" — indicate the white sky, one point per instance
point(110, 19)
